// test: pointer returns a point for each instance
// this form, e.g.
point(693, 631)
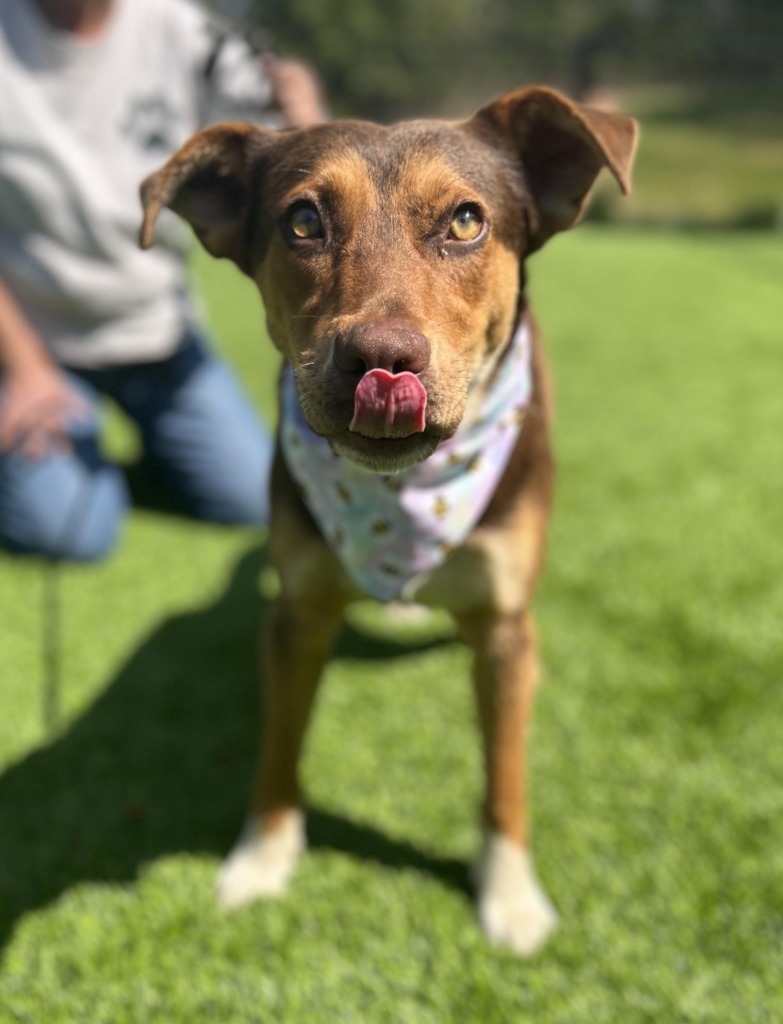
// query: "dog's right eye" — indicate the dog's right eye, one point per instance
point(466, 224)
point(305, 221)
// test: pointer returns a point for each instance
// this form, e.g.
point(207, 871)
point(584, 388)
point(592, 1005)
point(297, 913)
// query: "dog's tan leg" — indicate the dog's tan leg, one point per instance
point(513, 908)
point(297, 640)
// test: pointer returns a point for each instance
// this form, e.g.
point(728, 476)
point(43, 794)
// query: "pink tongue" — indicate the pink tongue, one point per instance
point(389, 405)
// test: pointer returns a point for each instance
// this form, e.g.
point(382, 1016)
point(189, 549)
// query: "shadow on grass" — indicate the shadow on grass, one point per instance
point(161, 764)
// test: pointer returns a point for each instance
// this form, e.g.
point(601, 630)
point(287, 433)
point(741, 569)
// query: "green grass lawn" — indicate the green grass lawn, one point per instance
point(658, 773)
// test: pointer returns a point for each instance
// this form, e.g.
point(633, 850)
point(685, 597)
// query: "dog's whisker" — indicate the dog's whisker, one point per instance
point(443, 323)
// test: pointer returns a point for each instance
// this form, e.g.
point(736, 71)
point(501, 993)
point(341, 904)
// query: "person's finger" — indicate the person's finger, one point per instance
point(269, 62)
point(47, 432)
point(38, 443)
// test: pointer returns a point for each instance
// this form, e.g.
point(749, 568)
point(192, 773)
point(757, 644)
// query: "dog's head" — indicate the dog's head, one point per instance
point(390, 258)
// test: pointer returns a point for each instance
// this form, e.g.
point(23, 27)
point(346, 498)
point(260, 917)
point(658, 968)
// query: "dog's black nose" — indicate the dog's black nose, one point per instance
point(391, 347)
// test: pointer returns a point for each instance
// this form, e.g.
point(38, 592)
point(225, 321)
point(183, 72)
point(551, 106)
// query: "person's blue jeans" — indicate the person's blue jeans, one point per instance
point(201, 439)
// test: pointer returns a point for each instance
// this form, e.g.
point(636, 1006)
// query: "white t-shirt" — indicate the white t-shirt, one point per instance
point(82, 122)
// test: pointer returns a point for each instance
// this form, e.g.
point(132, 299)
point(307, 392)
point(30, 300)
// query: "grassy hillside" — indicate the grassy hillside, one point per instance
point(705, 157)
point(657, 774)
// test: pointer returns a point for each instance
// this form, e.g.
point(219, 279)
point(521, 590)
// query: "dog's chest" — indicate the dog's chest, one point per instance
point(389, 532)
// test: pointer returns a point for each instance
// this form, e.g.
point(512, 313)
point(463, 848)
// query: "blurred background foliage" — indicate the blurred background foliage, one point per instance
point(704, 77)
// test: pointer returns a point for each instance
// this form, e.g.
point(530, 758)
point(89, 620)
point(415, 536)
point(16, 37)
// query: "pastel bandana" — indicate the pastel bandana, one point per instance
point(388, 530)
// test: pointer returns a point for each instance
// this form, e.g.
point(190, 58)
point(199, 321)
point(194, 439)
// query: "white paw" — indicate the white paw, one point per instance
point(260, 865)
point(513, 908)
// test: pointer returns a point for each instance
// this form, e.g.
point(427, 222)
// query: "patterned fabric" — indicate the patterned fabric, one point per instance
point(389, 530)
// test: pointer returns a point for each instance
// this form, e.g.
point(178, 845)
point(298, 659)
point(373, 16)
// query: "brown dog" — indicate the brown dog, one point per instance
point(414, 457)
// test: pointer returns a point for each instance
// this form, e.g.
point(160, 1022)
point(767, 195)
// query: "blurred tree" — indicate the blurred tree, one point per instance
point(558, 41)
point(377, 58)
point(395, 58)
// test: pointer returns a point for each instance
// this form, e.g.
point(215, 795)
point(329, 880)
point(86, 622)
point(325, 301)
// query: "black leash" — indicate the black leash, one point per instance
point(51, 703)
point(51, 615)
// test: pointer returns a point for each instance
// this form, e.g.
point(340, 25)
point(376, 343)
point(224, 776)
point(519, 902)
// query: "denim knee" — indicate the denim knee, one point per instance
point(60, 509)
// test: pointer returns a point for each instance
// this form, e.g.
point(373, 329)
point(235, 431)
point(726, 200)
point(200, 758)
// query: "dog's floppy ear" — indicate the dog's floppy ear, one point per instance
point(562, 146)
point(209, 183)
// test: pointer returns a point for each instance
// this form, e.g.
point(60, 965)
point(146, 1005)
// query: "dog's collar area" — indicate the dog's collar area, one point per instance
point(389, 530)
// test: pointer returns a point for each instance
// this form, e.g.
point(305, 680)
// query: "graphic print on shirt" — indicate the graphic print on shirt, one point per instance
point(151, 123)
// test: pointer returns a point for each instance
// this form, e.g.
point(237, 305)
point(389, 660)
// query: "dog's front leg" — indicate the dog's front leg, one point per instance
point(513, 908)
point(297, 639)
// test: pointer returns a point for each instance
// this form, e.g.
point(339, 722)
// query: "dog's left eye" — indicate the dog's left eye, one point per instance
point(466, 224)
point(305, 221)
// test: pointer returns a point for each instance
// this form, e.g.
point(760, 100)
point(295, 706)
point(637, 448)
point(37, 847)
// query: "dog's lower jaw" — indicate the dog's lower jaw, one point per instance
point(385, 456)
point(261, 864)
point(513, 908)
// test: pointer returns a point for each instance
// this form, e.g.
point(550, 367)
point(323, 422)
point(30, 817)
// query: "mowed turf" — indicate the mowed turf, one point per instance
point(657, 755)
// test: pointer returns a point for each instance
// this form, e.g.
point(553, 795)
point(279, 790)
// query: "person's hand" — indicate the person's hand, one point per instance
point(296, 89)
point(36, 408)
